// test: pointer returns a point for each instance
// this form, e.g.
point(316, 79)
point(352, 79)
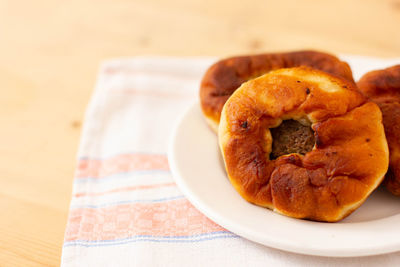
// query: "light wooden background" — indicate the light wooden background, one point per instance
point(49, 54)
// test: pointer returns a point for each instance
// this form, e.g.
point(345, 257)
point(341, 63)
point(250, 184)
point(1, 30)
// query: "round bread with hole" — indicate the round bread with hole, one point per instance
point(225, 76)
point(303, 143)
point(383, 88)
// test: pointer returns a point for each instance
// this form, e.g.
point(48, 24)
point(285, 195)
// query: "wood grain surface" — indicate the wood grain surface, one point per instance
point(49, 55)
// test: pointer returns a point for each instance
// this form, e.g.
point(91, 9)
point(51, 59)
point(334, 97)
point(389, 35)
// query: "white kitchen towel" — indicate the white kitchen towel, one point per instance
point(126, 209)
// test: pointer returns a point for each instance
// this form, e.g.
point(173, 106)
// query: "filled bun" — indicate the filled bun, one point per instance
point(383, 88)
point(225, 76)
point(303, 143)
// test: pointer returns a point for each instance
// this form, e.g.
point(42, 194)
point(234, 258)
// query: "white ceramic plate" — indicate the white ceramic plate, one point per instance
point(198, 170)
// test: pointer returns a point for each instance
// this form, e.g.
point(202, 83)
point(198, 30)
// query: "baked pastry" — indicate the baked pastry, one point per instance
point(225, 76)
point(383, 87)
point(324, 181)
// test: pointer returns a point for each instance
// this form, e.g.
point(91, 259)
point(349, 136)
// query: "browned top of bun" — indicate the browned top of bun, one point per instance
point(347, 163)
point(225, 76)
point(383, 87)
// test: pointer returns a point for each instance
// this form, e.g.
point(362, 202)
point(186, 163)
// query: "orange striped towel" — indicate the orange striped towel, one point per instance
point(126, 209)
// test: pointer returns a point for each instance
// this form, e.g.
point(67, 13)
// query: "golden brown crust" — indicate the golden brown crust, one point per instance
point(225, 76)
point(347, 163)
point(383, 87)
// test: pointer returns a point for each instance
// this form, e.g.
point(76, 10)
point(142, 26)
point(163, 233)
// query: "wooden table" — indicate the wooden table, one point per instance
point(49, 55)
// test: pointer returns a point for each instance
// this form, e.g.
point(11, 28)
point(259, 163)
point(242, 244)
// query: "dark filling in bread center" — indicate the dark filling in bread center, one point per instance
point(291, 137)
